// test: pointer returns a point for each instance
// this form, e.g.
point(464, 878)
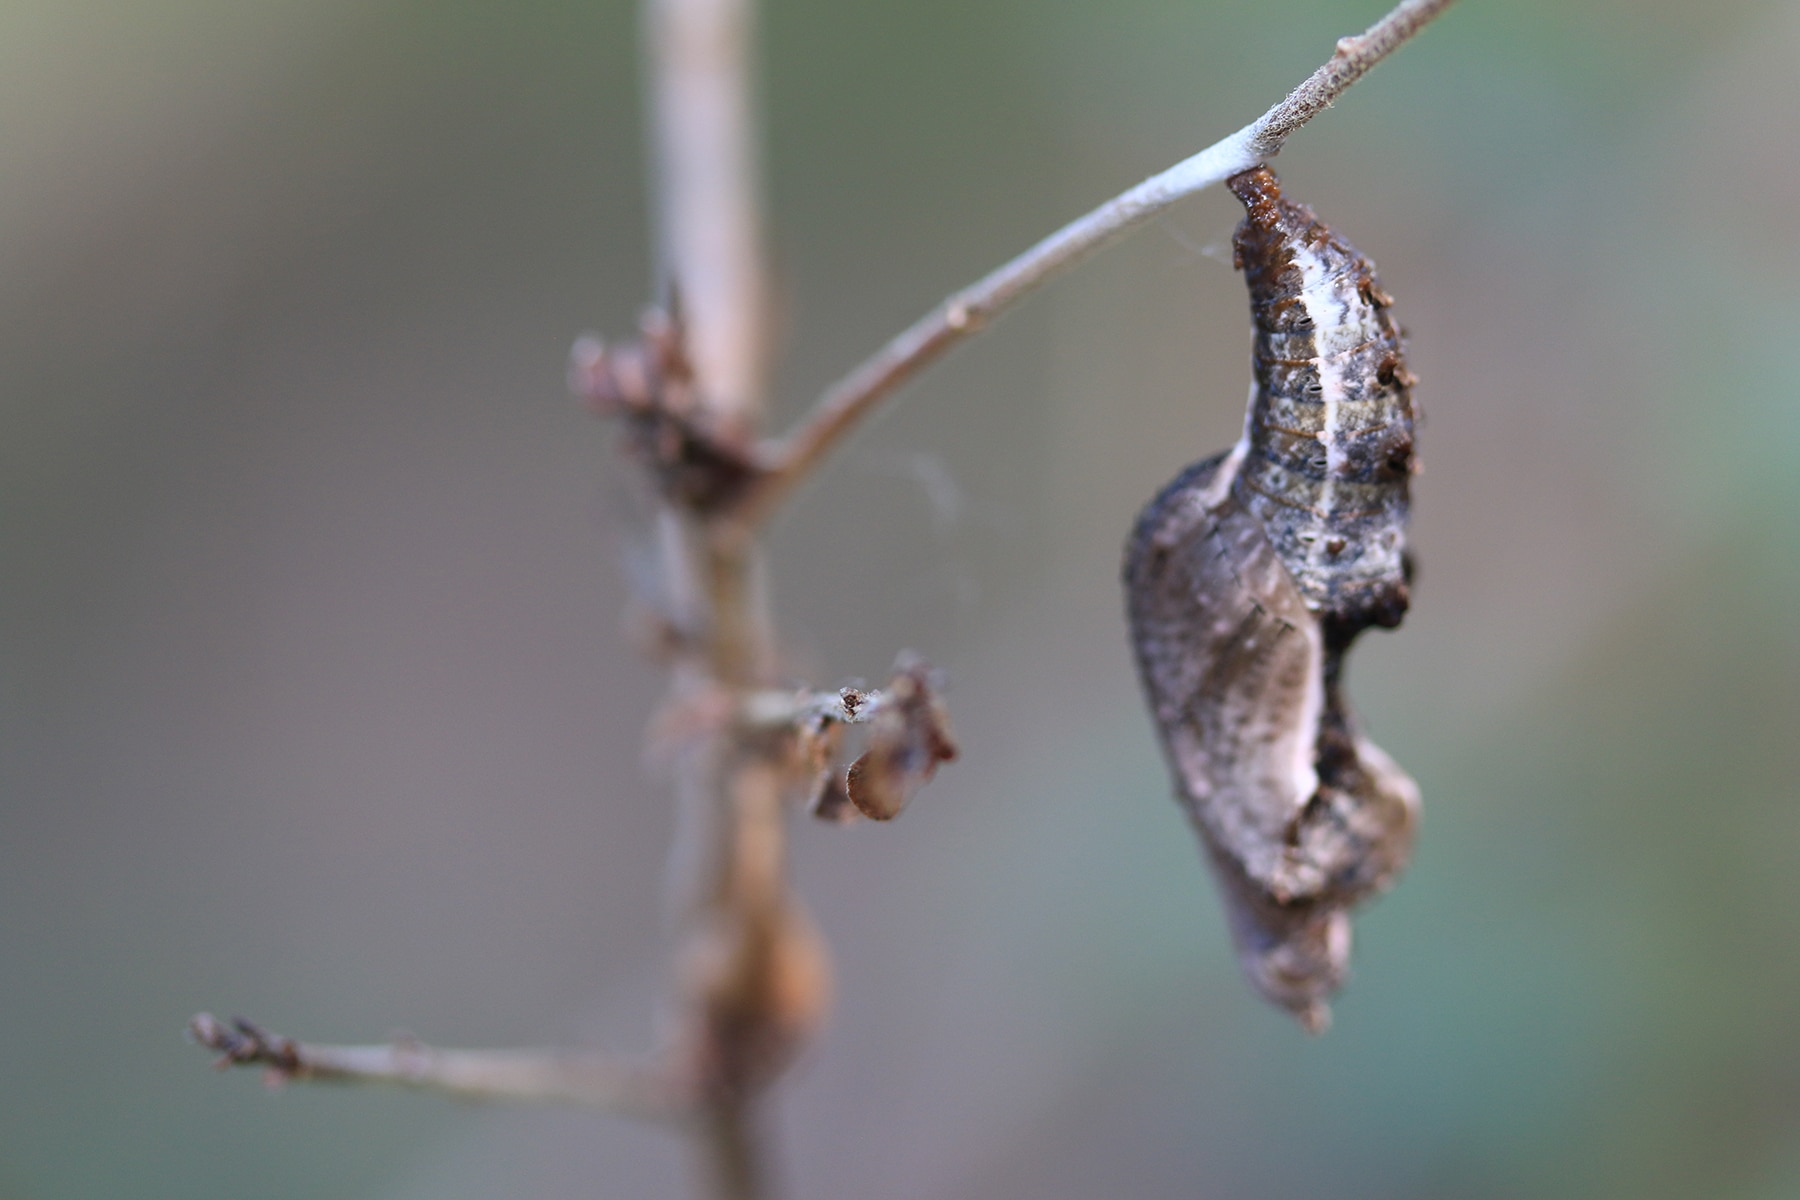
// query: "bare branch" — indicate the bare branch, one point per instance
point(525, 1075)
point(969, 311)
point(754, 979)
point(708, 209)
point(1352, 60)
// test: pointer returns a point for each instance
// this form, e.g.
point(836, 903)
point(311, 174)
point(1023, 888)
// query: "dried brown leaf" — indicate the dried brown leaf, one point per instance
point(908, 738)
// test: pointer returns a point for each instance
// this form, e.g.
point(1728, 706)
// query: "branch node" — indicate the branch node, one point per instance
point(700, 460)
point(963, 318)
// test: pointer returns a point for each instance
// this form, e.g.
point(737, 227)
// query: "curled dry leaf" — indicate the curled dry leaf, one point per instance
point(908, 737)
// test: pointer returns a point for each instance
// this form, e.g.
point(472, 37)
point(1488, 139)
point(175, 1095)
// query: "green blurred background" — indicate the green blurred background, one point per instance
point(314, 704)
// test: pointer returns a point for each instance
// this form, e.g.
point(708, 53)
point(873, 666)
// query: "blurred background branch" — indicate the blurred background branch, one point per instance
point(591, 1080)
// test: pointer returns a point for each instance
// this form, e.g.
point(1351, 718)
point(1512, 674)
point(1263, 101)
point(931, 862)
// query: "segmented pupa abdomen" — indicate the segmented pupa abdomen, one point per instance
point(1330, 426)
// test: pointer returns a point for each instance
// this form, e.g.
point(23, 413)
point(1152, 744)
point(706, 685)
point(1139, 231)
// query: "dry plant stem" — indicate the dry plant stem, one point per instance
point(708, 201)
point(740, 928)
point(529, 1075)
point(739, 909)
point(969, 311)
point(735, 1159)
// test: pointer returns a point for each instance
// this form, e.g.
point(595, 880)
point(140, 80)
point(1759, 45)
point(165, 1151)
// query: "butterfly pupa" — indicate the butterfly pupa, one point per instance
point(1248, 577)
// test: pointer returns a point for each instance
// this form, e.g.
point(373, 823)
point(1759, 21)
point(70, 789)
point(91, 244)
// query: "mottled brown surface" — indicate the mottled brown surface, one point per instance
point(1242, 681)
point(1248, 577)
point(1339, 526)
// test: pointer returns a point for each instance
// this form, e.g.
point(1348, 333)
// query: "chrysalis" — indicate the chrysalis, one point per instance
point(1246, 580)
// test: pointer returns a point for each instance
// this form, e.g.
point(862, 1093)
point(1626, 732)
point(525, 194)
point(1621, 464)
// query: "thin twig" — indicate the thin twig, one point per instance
point(736, 1163)
point(970, 310)
point(543, 1076)
point(776, 710)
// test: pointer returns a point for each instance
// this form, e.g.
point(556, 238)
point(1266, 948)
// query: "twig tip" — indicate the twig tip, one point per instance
point(241, 1042)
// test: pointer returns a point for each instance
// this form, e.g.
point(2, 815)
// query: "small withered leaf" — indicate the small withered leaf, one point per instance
point(908, 738)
